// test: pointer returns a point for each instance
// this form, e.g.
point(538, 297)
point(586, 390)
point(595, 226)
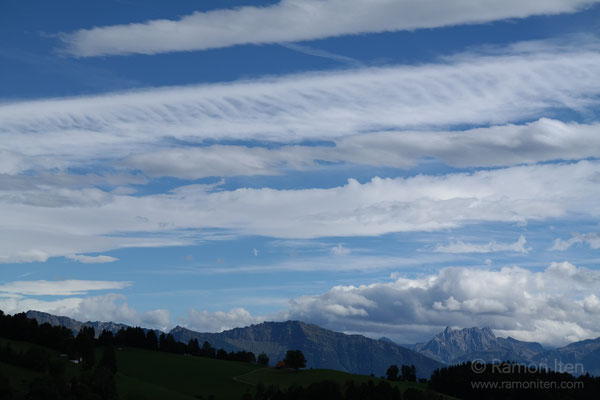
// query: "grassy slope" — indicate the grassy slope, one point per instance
point(19, 377)
point(283, 378)
point(154, 375)
point(197, 376)
point(71, 369)
point(191, 376)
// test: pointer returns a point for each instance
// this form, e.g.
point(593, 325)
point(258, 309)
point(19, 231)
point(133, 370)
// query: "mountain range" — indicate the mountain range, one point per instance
point(453, 346)
point(324, 348)
point(72, 324)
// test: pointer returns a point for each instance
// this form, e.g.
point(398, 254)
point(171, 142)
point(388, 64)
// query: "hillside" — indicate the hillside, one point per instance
point(357, 354)
point(583, 356)
point(323, 348)
point(154, 375)
point(141, 372)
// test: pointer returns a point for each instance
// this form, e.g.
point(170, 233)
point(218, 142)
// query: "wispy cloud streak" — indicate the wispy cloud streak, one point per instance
point(297, 20)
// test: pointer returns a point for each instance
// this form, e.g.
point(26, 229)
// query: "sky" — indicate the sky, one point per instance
point(380, 167)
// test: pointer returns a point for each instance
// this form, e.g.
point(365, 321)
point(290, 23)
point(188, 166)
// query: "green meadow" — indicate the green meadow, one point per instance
point(153, 375)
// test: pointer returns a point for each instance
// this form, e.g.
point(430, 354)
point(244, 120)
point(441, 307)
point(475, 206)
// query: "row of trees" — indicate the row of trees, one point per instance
point(82, 346)
point(19, 327)
point(512, 381)
point(97, 382)
point(148, 339)
point(406, 373)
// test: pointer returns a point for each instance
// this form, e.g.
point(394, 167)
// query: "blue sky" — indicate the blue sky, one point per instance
point(387, 168)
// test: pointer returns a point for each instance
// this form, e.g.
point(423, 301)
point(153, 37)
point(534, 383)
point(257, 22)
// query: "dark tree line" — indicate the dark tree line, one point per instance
point(512, 381)
point(19, 327)
point(97, 379)
point(407, 373)
point(137, 337)
point(82, 347)
point(329, 390)
point(295, 359)
point(94, 383)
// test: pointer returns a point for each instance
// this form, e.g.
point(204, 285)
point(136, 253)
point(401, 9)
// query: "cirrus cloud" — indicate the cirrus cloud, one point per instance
point(67, 287)
point(297, 20)
point(380, 206)
point(462, 247)
point(101, 259)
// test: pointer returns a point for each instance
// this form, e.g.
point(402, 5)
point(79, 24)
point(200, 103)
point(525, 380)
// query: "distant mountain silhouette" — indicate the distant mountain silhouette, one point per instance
point(323, 348)
point(387, 339)
point(455, 346)
point(74, 325)
point(571, 357)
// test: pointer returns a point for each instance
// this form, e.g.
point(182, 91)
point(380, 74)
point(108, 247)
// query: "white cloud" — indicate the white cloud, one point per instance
point(64, 307)
point(160, 318)
point(340, 250)
point(512, 301)
point(91, 259)
point(67, 287)
point(332, 262)
point(541, 140)
point(199, 162)
point(218, 321)
point(11, 163)
point(378, 116)
point(420, 203)
point(49, 215)
point(36, 241)
point(297, 20)
point(107, 307)
point(490, 247)
point(591, 239)
point(510, 84)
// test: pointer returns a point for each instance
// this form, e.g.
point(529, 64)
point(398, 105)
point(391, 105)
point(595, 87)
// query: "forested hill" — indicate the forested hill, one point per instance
point(323, 348)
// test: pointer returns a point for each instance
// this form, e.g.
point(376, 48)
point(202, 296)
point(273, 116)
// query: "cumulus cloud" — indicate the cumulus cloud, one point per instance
point(297, 20)
point(91, 259)
point(218, 321)
point(591, 239)
point(419, 203)
point(107, 307)
point(490, 247)
point(160, 318)
point(511, 300)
